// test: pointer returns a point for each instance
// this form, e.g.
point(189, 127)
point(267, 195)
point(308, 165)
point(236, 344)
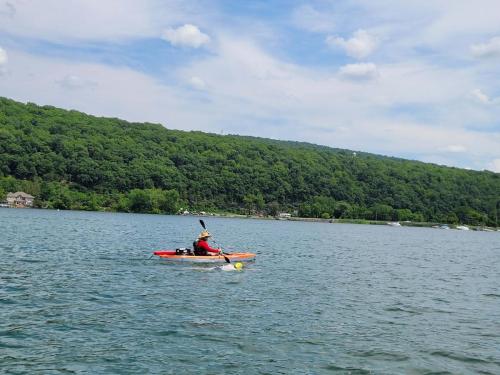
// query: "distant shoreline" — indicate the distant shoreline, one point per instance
point(350, 221)
point(303, 219)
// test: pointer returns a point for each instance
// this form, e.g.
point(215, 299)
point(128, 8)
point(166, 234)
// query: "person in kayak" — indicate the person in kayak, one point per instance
point(201, 246)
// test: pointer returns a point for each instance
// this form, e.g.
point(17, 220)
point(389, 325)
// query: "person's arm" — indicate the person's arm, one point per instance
point(205, 246)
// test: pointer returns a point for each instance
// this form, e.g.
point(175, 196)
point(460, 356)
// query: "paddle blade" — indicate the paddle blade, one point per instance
point(203, 224)
point(226, 259)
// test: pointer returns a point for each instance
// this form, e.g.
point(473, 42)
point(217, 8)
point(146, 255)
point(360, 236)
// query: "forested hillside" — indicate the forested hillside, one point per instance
point(71, 160)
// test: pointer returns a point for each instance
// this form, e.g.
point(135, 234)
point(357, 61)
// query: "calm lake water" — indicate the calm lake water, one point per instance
point(78, 294)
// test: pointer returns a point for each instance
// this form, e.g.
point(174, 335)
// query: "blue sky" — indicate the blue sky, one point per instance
point(410, 79)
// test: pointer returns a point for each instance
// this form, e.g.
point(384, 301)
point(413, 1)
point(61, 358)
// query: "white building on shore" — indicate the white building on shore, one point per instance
point(20, 199)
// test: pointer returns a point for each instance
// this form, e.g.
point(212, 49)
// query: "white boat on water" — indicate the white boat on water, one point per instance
point(394, 223)
point(441, 226)
point(462, 227)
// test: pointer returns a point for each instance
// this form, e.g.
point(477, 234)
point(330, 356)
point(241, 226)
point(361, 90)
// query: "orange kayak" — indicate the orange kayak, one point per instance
point(172, 255)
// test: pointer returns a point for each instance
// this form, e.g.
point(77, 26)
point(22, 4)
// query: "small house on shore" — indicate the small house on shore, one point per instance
point(20, 199)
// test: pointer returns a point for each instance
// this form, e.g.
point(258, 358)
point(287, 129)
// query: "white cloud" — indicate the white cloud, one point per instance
point(308, 18)
point(74, 82)
point(359, 46)
point(483, 98)
point(3, 62)
point(82, 20)
point(361, 71)
point(454, 148)
point(3, 56)
point(489, 49)
point(197, 83)
point(186, 36)
point(480, 96)
point(494, 166)
point(7, 9)
point(433, 22)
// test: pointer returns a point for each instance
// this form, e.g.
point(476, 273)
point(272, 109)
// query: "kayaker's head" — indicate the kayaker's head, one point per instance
point(204, 235)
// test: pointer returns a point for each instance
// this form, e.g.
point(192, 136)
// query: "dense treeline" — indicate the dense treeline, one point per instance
point(71, 160)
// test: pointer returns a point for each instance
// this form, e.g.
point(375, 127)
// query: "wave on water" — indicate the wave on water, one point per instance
point(491, 295)
point(347, 369)
point(462, 357)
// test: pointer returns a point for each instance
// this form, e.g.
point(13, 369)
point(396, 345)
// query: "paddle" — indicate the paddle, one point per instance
point(225, 257)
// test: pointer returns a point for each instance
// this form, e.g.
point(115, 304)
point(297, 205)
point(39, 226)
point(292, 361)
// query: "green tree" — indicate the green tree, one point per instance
point(253, 202)
point(342, 209)
point(452, 218)
point(273, 208)
point(402, 214)
point(381, 212)
point(140, 201)
point(169, 202)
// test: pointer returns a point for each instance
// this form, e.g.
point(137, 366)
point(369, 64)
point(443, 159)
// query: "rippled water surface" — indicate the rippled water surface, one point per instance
point(79, 294)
